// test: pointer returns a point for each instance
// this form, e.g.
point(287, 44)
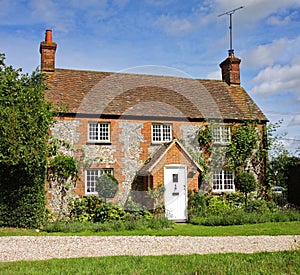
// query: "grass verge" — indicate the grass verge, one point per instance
point(275, 228)
point(287, 262)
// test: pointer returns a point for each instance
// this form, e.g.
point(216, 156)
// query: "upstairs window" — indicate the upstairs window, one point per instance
point(223, 180)
point(221, 134)
point(161, 133)
point(91, 178)
point(99, 132)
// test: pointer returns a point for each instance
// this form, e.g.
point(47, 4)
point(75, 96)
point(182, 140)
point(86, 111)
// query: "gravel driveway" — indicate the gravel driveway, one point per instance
point(42, 248)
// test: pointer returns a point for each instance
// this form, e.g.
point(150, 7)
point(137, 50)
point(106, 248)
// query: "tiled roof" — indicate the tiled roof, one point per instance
point(103, 93)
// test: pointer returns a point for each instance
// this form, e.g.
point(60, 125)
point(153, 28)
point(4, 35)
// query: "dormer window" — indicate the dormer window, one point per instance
point(161, 133)
point(99, 132)
point(221, 134)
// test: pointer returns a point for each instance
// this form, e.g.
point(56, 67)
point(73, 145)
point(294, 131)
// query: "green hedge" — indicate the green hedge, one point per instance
point(22, 194)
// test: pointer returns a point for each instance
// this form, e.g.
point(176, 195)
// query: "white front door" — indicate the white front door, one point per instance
point(175, 182)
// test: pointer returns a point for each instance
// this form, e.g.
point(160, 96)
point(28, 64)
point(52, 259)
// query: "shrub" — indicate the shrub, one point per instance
point(217, 205)
point(196, 204)
point(107, 186)
point(246, 183)
point(108, 212)
point(84, 209)
point(116, 225)
point(258, 206)
point(239, 217)
point(25, 118)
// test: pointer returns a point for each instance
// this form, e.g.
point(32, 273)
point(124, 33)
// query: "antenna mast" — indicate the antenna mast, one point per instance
point(230, 13)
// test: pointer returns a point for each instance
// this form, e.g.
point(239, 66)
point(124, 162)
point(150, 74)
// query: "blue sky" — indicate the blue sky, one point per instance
point(168, 37)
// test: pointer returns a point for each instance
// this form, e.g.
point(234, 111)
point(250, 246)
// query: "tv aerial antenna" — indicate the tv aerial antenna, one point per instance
point(230, 13)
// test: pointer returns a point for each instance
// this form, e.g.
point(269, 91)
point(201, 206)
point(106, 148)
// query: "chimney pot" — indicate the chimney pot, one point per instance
point(48, 37)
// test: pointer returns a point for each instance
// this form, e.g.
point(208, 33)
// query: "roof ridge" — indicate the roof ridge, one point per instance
point(138, 74)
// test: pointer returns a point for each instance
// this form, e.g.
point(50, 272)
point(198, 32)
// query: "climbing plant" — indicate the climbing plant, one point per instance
point(62, 176)
point(241, 151)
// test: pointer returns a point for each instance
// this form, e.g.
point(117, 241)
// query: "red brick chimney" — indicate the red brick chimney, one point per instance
point(47, 50)
point(231, 69)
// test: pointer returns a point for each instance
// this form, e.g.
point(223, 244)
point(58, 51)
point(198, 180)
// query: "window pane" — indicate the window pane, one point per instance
point(91, 179)
point(225, 134)
point(216, 135)
point(166, 132)
point(104, 131)
point(156, 132)
point(93, 131)
point(217, 180)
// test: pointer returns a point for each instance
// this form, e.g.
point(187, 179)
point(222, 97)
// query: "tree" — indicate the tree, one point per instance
point(107, 186)
point(25, 117)
point(279, 158)
point(246, 183)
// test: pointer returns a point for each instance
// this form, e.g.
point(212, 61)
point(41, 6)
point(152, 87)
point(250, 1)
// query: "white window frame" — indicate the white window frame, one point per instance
point(221, 134)
point(91, 176)
point(101, 132)
point(158, 131)
point(223, 181)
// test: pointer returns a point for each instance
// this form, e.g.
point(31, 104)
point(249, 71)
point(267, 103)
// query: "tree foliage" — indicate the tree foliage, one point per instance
point(25, 117)
point(280, 160)
point(246, 183)
point(107, 186)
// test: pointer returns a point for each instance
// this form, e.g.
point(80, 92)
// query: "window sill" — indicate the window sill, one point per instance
point(223, 191)
point(159, 142)
point(98, 143)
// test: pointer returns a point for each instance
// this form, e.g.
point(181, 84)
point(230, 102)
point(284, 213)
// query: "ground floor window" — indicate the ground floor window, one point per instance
point(91, 178)
point(223, 180)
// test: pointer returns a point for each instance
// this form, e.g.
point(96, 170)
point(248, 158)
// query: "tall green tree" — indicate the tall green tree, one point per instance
point(25, 117)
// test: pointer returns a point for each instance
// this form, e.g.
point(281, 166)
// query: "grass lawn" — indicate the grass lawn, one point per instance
point(280, 228)
point(231, 263)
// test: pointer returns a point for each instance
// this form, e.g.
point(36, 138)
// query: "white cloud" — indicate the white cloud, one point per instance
point(265, 54)
point(257, 8)
point(279, 51)
point(214, 75)
point(174, 26)
point(277, 20)
point(295, 120)
point(278, 79)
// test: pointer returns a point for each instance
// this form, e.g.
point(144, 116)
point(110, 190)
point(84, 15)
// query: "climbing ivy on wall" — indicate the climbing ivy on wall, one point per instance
point(245, 150)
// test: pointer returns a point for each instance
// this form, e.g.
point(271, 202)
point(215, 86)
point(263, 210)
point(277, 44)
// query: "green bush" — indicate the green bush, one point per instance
point(258, 206)
point(25, 118)
point(108, 212)
point(246, 183)
point(196, 204)
point(239, 217)
point(84, 209)
point(217, 205)
point(107, 186)
point(93, 209)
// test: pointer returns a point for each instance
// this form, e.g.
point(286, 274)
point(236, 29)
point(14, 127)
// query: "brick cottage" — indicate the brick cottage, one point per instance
point(143, 128)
